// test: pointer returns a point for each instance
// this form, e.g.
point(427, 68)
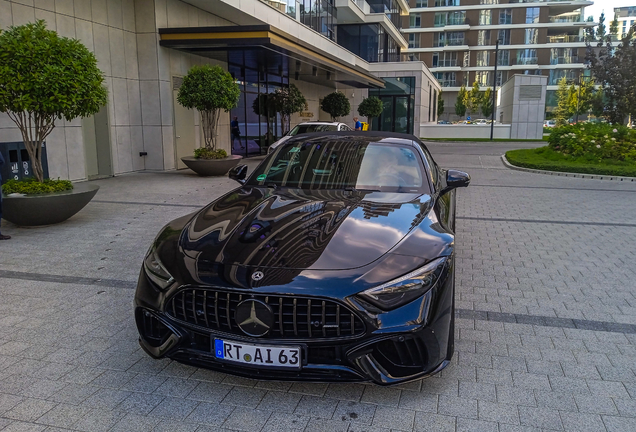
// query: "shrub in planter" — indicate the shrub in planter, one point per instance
point(597, 140)
point(206, 153)
point(336, 105)
point(32, 186)
point(370, 107)
point(209, 89)
point(43, 78)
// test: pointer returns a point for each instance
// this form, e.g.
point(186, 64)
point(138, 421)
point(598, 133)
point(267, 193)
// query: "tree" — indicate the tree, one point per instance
point(597, 103)
point(460, 104)
point(486, 103)
point(614, 69)
point(474, 99)
point(336, 105)
point(209, 89)
point(263, 105)
point(614, 28)
point(440, 105)
point(600, 29)
point(370, 107)
point(562, 111)
point(44, 77)
point(581, 97)
point(287, 101)
point(590, 33)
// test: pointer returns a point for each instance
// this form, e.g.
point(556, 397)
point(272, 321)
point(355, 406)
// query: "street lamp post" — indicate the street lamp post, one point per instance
point(494, 91)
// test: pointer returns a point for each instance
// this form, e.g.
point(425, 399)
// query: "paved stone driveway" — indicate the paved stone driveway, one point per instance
point(546, 329)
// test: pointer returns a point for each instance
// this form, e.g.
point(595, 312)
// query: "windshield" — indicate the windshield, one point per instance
point(337, 164)
point(305, 128)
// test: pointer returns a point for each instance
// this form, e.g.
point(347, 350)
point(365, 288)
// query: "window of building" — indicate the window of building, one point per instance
point(442, 3)
point(504, 37)
point(450, 18)
point(483, 78)
point(532, 36)
point(445, 59)
point(414, 40)
point(483, 58)
point(421, 3)
point(527, 57)
point(446, 79)
point(532, 15)
point(413, 57)
point(502, 77)
point(485, 17)
point(319, 15)
point(449, 38)
point(557, 74)
point(488, 2)
point(369, 41)
point(564, 56)
point(415, 20)
point(503, 58)
point(505, 16)
point(483, 37)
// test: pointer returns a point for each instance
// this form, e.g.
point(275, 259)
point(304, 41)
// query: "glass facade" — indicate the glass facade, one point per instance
point(450, 18)
point(448, 39)
point(415, 20)
point(389, 7)
point(532, 36)
point(557, 74)
point(483, 58)
point(319, 15)
point(527, 57)
point(445, 59)
point(564, 56)
point(532, 15)
point(483, 37)
point(504, 37)
point(485, 17)
point(503, 58)
point(369, 41)
point(446, 79)
point(442, 3)
point(505, 16)
point(257, 131)
point(398, 105)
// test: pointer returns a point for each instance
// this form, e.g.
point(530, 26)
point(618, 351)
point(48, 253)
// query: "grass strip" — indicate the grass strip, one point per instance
point(543, 158)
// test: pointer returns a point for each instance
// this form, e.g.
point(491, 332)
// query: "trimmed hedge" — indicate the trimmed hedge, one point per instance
point(31, 186)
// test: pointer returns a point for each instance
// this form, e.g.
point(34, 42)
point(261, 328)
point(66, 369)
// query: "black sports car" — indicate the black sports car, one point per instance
point(333, 261)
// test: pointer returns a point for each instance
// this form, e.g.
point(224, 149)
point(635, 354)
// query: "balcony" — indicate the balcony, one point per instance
point(567, 60)
point(526, 61)
point(566, 19)
point(565, 39)
point(449, 43)
point(445, 63)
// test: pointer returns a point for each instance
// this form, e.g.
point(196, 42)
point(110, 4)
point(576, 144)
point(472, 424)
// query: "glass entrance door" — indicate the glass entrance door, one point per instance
point(397, 114)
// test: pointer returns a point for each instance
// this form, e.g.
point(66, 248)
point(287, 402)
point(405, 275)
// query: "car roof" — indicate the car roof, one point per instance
point(320, 122)
point(365, 136)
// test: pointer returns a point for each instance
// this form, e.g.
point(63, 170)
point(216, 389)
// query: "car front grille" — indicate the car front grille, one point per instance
point(294, 317)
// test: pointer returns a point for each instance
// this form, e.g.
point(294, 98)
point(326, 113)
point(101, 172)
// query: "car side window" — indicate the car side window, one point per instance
point(433, 171)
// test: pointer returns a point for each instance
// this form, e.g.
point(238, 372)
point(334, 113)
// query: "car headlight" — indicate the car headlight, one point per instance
point(156, 270)
point(406, 288)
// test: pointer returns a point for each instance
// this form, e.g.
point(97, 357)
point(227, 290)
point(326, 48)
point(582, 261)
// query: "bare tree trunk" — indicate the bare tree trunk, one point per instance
point(34, 129)
point(209, 121)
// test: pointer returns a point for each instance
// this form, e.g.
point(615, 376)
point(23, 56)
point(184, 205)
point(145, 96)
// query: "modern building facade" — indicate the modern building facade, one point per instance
point(146, 47)
point(456, 40)
point(626, 17)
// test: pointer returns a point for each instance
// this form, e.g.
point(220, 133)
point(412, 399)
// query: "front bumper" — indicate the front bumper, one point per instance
point(410, 342)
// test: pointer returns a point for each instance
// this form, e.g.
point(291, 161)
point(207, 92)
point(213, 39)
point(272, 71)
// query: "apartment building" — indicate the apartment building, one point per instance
point(626, 17)
point(146, 47)
point(456, 40)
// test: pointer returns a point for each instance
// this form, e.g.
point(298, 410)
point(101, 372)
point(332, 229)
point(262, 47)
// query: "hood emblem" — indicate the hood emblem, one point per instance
point(258, 275)
point(254, 317)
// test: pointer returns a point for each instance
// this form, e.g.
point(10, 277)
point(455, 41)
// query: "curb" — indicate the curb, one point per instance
point(567, 174)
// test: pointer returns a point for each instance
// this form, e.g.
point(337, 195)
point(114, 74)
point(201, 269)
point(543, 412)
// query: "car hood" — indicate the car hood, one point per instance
point(294, 229)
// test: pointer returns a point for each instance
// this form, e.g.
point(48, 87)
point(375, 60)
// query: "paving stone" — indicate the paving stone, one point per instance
point(210, 392)
point(176, 387)
point(313, 406)
point(279, 421)
point(135, 423)
point(210, 414)
point(394, 418)
point(29, 410)
point(312, 389)
point(140, 403)
point(19, 426)
point(64, 416)
point(355, 412)
point(619, 424)
point(98, 421)
point(515, 395)
point(244, 396)
point(322, 425)
point(481, 391)
point(595, 404)
point(472, 425)
point(279, 401)
point(541, 417)
point(425, 422)
point(381, 396)
point(459, 407)
point(349, 391)
point(579, 422)
point(498, 412)
point(174, 408)
point(419, 401)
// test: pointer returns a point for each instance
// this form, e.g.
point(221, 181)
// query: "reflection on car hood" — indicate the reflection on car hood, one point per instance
point(296, 229)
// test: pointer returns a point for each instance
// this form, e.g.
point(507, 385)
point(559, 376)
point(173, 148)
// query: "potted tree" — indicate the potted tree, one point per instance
point(287, 101)
point(209, 89)
point(370, 107)
point(44, 78)
point(336, 105)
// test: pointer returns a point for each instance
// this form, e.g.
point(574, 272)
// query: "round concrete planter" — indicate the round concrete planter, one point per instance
point(211, 167)
point(47, 209)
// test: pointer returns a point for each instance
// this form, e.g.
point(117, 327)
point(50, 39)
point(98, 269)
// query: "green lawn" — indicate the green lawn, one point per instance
point(545, 159)
point(481, 139)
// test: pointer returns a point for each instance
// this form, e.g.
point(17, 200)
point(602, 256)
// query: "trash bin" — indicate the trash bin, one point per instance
point(17, 162)
point(365, 126)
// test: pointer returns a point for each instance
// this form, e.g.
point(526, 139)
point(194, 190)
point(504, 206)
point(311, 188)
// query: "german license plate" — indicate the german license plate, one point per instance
point(257, 355)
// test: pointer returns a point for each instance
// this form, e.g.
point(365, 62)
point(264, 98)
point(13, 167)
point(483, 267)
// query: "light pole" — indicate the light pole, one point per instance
point(494, 91)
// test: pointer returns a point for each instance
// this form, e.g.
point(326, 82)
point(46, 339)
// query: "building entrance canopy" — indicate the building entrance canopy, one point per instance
point(269, 49)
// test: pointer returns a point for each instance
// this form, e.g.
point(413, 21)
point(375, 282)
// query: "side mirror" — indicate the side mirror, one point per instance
point(455, 179)
point(238, 173)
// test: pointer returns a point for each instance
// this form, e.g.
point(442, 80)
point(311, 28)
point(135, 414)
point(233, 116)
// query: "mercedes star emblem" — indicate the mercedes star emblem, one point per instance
point(258, 275)
point(254, 317)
